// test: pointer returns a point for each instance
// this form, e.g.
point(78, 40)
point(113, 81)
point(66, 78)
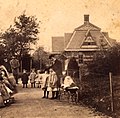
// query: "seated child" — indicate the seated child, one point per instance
point(69, 83)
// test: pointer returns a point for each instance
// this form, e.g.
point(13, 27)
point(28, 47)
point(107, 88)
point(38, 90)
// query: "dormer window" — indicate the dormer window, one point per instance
point(89, 41)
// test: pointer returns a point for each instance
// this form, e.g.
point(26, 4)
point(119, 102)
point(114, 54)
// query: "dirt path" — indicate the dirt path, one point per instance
point(29, 104)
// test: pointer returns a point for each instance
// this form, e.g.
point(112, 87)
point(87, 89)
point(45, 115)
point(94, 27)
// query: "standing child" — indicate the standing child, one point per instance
point(51, 84)
point(32, 78)
point(44, 84)
point(38, 79)
point(24, 78)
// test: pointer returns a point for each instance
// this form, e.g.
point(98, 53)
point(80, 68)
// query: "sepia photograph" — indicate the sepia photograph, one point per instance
point(59, 58)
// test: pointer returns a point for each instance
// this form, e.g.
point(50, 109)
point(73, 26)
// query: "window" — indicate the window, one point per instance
point(80, 58)
point(89, 41)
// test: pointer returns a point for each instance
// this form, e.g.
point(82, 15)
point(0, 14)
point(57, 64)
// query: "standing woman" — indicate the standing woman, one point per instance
point(9, 79)
point(52, 84)
point(4, 95)
point(57, 67)
point(15, 68)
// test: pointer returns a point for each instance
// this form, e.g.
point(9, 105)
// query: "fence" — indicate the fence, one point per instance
point(116, 94)
point(100, 92)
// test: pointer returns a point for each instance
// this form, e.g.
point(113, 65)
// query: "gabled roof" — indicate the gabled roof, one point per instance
point(67, 37)
point(87, 42)
point(73, 41)
point(100, 39)
point(87, 26)
point(57, 44)
point(112, 41)
point(80, 34)
point(78, 38)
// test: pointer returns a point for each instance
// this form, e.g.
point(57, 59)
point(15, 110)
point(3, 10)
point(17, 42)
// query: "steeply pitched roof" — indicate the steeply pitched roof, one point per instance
point(88, 26)
point(74, 41)
point(99, 37)
point(112, 41)
point(67, 37)
point(57, 44)
point(79, 36)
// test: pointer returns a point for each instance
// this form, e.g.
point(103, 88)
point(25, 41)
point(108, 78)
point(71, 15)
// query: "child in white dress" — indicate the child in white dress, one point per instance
point(38, 79)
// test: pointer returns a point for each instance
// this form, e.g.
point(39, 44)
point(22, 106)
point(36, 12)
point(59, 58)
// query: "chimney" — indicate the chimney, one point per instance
point(86, 18)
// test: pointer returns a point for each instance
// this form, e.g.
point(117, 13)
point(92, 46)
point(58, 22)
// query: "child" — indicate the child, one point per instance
point(38, 79)
point(44, 84)
point(24, 78)
point(32, 78)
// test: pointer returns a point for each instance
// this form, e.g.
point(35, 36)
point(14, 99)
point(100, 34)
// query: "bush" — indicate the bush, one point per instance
point(106, 61)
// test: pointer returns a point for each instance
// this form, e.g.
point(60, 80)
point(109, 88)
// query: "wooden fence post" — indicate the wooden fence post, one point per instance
point(111, 92)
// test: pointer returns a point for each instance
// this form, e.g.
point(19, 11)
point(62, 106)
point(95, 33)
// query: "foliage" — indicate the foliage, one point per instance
point(95, 85)
point(2, 50)
point(19, 36)
point(95, 93)
point(106, 61)
point(41, 58)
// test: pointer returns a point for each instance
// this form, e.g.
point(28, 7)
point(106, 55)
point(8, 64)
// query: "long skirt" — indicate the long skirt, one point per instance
point(55, 89)
point(11, 80)
point(1, 101)
point(9, 90)
point(7, 83)
point(49, 89)
point(52, 89)
point(4, 93)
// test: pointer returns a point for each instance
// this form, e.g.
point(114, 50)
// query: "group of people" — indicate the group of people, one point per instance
point(34, 77)
point(52, 84)
point(56, 79)
point(8, 80)
point(47, 81)
point(50, 81)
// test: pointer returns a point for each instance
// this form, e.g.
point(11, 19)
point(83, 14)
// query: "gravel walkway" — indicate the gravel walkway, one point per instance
point(30, 104)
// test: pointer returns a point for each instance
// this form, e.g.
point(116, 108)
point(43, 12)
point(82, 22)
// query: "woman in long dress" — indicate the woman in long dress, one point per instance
point(4, 95)
point(52, 83)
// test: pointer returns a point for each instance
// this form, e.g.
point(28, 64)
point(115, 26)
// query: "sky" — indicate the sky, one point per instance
point(63, 16)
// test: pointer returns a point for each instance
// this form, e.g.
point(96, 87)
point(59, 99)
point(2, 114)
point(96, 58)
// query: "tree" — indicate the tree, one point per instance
point(19, 36)
point(2, 50)
point(106, 62)
point(41, 57)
